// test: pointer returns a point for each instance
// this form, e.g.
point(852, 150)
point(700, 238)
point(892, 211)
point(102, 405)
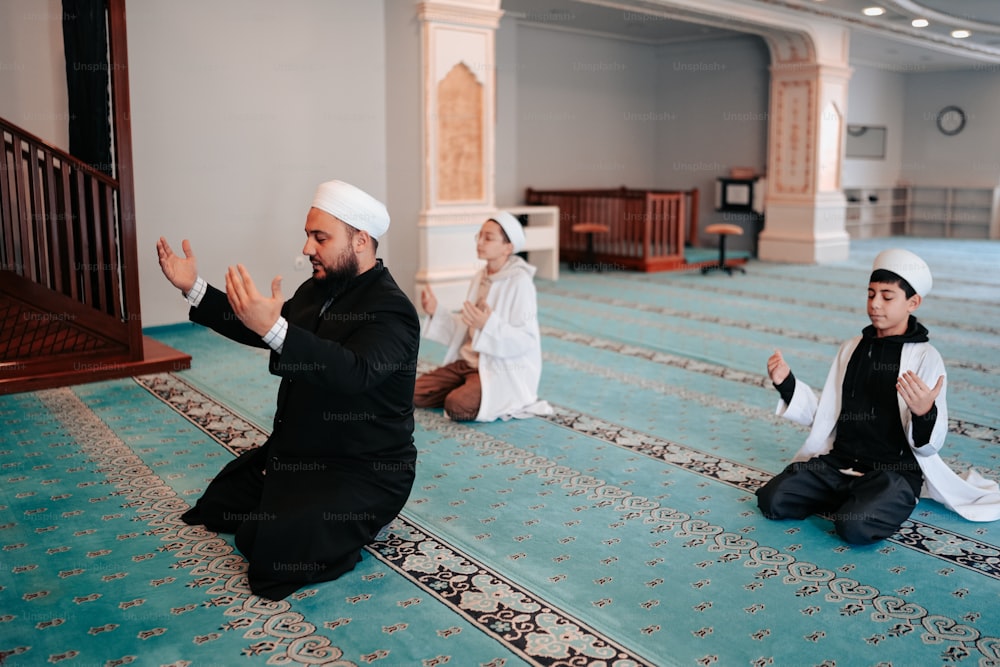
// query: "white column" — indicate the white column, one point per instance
point(805, 205)
point(458, 128)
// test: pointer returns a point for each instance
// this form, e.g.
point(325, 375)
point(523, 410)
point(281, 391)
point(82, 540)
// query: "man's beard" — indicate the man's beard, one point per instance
point(336, 276)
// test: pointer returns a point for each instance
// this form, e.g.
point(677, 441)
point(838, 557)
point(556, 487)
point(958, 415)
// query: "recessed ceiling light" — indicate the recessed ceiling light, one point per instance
point(873, 11)
point(920, 23)
point(960, 34)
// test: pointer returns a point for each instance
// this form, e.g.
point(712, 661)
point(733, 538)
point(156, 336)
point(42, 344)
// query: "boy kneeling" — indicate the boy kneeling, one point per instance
point(879, 424)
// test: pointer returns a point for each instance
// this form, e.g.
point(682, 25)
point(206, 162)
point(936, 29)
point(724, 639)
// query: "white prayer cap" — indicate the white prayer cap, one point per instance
point(354, 206)
point(511, 227)
point(907, 266)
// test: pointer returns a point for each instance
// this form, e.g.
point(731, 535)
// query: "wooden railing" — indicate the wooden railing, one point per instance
point(647, 228)
point(69, 278)
point(62, 239)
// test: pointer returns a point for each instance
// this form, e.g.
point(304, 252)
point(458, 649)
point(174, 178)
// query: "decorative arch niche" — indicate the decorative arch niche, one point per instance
point(460, 136)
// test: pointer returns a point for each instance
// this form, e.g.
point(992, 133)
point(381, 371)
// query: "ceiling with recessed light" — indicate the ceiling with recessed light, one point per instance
point(889, 40)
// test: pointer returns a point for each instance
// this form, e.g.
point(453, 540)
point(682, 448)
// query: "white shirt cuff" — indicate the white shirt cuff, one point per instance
point(197, 292)
point(275, 338)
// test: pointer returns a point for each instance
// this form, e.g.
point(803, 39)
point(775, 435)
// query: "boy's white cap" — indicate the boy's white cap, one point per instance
point(512, 227)
point(353, 206)
point(907, 266)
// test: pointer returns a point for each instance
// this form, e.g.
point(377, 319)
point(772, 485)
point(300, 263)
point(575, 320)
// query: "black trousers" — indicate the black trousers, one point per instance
point(287, 543)
point(864, 509)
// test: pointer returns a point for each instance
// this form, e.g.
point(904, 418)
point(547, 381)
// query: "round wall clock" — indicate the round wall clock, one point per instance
point(951, 120)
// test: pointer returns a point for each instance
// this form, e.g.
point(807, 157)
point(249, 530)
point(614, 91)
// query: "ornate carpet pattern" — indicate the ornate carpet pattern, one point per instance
point(620, 531)
point(513, 616)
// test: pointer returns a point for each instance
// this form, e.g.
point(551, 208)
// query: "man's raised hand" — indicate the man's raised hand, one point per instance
point(182, 272)
point(256, 311)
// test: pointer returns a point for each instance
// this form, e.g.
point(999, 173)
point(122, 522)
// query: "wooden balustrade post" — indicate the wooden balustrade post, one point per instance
point(122, 135)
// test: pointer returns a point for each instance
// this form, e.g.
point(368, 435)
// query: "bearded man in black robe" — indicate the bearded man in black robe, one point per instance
point(339, 463)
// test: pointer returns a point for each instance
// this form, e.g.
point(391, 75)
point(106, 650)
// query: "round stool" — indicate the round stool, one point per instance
point(589, 228)
point(723, 230)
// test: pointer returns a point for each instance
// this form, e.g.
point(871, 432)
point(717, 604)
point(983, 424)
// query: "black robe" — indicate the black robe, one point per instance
point(339, 463)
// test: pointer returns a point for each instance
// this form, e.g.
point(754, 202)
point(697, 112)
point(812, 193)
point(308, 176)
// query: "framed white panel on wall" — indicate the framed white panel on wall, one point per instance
point(459, 115)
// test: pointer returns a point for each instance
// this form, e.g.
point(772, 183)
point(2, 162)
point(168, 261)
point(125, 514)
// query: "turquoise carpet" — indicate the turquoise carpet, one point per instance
point(621, 531)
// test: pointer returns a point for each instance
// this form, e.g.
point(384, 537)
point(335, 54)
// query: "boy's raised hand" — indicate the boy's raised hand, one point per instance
point(428, 300)
point(777, 369)
point(918, 396)
point(475, 317)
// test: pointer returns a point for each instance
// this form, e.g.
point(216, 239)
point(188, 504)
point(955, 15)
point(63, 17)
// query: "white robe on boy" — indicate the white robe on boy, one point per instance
point(509, 346)
point(970, 495)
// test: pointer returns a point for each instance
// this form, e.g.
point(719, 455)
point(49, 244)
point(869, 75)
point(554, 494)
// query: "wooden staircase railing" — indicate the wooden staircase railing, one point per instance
point(61, 236)
point(69, 288)
point(69, 275)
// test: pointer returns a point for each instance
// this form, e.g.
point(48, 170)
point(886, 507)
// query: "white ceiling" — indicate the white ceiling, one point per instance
point(887, 41)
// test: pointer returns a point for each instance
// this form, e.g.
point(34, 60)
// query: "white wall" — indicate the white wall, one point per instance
point(907, 103)
point(876, 97)
point(33, 69)
point(598, 112)
point(575, 95)
point(972, 157)
point(404, 141)
point(240, 108)
point(508, 189)
point(713, 102)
